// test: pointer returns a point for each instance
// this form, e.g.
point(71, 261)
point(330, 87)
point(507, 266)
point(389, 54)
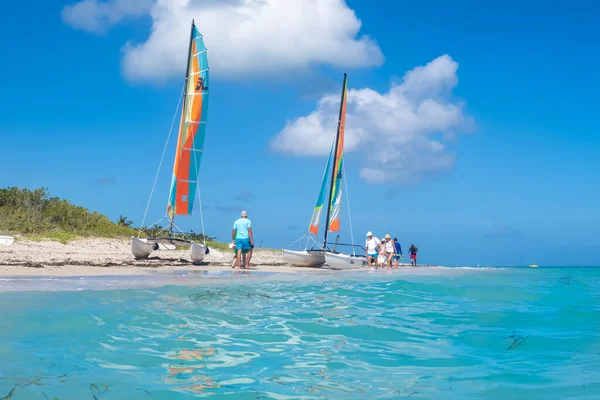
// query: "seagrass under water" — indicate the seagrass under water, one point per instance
point(457, 334)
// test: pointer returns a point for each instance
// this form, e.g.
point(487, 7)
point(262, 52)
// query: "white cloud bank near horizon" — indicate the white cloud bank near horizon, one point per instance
point(243, 36)
point(402, 134)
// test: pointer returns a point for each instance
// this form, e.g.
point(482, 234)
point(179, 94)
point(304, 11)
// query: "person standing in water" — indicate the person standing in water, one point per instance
point(243, 239)
point(397, 253)
point(413, 255)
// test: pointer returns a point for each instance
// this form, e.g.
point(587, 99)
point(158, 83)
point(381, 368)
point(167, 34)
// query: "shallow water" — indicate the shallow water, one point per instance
point(444, 333)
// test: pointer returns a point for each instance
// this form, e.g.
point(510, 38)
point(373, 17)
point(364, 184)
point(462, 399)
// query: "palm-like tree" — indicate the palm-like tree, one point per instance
point(124, 221)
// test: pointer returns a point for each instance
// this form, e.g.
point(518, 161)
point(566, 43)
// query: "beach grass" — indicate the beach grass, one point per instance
point(35, 215)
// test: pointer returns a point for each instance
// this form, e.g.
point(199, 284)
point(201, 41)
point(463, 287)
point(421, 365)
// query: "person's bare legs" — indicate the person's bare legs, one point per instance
point(249, 258)
point(239, 258)
point(244, 260)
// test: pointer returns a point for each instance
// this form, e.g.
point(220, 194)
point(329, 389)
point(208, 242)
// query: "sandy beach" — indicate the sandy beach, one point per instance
point(95, 256)
point(88, 257)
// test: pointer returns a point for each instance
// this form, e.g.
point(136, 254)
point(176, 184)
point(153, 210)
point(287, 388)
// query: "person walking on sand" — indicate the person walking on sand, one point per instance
point(397, 253)
point(390, 249)
point(371, 248)
point(413, 255)
point(243, 238)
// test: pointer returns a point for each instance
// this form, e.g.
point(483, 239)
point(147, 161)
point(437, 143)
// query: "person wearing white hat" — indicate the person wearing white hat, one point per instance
point(242, 238)
point(371, 246)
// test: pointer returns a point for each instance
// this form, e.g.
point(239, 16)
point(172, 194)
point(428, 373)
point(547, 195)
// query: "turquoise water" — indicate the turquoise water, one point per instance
point(435, 334)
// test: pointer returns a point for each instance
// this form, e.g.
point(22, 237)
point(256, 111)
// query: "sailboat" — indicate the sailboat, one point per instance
point(312, 257)
point(324, 255)
point(188, 154)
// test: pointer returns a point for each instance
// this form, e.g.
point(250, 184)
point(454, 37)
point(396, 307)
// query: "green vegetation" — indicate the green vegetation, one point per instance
point(37, 216)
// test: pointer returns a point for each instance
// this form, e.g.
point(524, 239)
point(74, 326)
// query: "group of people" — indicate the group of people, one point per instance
point(387, 253)
point(379, 253)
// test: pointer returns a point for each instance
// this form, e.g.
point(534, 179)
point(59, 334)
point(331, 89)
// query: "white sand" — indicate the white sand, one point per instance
point(87, 257)
point(95, 257)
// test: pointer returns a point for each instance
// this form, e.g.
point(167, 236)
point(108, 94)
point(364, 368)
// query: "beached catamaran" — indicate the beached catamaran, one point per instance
point(317, 257)
point(188, 154)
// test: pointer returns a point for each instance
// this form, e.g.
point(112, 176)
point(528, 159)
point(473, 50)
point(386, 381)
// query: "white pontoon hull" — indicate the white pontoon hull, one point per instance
point(6, 240)
point(303, 258)
point(142, 248)
point(344, 261)
point(197, 252)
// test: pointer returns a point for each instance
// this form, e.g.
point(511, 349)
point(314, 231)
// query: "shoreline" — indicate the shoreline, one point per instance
point(100, 257)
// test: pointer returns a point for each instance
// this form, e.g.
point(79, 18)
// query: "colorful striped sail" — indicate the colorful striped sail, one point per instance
point(192, 130)
point(316, 217)
point(336, 196)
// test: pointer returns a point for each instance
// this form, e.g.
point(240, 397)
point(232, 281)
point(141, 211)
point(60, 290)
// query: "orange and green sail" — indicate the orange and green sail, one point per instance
point(192, 129)
point(335, 192)
point(316, 217)
point(336, 189)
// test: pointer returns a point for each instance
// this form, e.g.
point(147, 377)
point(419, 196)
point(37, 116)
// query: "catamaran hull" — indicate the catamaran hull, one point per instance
point(141, 248)
point(6, 240)
point(344, 261)
point(303, 258)
point(197, 252)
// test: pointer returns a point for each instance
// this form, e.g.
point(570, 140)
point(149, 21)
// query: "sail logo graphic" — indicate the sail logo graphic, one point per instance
point(200, 84)
point(339, 175)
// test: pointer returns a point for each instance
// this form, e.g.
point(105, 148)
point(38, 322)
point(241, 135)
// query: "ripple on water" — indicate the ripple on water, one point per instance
point(414, 336)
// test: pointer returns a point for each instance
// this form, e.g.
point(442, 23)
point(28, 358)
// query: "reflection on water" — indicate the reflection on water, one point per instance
point(492, 334)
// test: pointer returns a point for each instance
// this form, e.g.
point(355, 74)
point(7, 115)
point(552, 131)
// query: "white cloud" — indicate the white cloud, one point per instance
point(97, 16)
point(402, 134)
point(243, 36)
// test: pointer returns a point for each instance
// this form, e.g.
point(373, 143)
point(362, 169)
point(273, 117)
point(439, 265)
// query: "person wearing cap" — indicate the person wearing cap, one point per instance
point(397, 253)
point(371, 246)
point(242, 238)
point(390, 249)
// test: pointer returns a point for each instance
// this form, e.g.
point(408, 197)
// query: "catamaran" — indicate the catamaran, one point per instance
point(188, 154)
point(313, 257)
point(324, 255)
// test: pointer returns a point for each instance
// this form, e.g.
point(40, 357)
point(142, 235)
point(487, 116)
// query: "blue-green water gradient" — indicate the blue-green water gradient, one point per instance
point(448, 334)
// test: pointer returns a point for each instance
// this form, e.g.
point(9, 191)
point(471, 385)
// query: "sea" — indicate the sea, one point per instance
point(423, 333)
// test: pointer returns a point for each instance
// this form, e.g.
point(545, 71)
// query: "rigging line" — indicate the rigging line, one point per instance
point(155, 224)
point(348, 201)
point(296, 241)
point(199, 195)
point(180, 231)
point(315, 242)
point(161, 160)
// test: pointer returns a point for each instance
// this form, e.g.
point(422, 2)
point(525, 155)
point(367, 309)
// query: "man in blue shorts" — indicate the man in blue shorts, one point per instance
point(242, 238)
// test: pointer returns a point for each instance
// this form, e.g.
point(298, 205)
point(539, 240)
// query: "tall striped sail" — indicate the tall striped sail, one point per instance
point(192, 129)
point(316, 217)
point(336, 189)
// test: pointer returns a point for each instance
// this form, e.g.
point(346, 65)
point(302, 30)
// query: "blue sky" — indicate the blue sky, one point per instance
point(520, 185)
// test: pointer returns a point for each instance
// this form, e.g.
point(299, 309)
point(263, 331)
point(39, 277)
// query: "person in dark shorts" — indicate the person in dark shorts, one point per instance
point(413, 255)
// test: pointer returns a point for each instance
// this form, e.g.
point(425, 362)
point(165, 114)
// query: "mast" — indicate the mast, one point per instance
point(337, 138)
point(187, 73)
